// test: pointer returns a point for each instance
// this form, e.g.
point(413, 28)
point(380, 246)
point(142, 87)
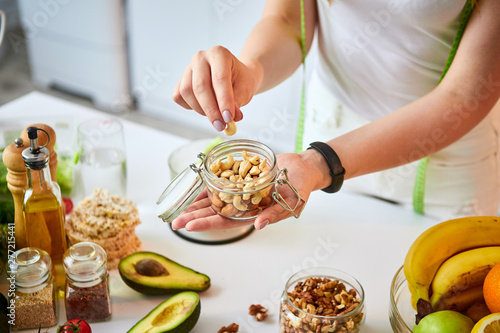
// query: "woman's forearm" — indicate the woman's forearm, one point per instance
point(273, 48)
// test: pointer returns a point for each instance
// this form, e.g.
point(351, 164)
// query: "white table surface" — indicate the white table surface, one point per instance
point(365, 237)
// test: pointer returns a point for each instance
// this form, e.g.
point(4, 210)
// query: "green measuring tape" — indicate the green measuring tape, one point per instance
point(299, 138)
point(419, 188)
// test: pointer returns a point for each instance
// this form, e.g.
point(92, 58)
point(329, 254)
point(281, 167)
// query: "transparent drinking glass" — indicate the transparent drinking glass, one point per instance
point(102, 161)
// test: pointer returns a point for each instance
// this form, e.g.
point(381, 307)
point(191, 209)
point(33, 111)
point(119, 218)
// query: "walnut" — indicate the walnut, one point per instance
point(233, 328)
point(258, 311)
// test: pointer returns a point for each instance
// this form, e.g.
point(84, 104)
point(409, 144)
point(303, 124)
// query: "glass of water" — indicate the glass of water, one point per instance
point(102, 161)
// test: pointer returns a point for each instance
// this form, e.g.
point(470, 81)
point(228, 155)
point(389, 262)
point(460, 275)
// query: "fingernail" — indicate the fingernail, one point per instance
point(226, 115)
point(262, 224)
point(218, 125)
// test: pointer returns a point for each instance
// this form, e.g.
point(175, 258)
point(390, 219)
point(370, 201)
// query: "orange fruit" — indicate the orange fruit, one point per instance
point(489, 324)
point(491, 289)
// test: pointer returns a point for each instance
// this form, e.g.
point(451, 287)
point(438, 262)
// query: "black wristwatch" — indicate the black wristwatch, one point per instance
point(332, 159)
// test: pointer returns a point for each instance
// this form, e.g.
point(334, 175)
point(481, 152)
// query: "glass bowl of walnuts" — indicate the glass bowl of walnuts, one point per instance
point(322, 299)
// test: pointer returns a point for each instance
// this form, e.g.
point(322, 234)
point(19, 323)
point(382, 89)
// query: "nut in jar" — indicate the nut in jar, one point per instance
point(242, 178)
point(322, 300)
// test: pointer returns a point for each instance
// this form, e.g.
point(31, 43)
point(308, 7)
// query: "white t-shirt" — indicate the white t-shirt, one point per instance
point(379, 55)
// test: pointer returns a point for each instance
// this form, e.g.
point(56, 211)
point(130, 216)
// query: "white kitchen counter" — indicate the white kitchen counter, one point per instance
point(362, 236)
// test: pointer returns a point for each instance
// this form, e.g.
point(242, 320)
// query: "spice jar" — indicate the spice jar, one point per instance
point(87, 289)
point(242, 178)
point(34, 297)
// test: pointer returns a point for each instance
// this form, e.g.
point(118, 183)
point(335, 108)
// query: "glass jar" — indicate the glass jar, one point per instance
point(34, 300)
point(337, 304)
point(87, 289)
point(241, 199)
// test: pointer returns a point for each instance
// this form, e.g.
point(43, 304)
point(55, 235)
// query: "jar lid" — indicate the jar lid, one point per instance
point(32, 266)
point(84, 261)
point(179, 194)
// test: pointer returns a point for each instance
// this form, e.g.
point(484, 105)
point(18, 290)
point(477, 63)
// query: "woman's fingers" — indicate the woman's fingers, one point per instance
point(205, 95)
point(204, 219)
point(222, 82)
point(185, 95)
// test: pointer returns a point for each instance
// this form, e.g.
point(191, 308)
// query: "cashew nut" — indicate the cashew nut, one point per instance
point(227, 173)
point(256, 199)
point(226, 197)
point(214, 167)
point(254, 159)
point(230, 128)
point(255, 171)
point(245, 155)
point(241, 185)
point(228, 164)
point(244, 168)
point(238, 204)
point(263, 164)
point(236, 166)
point(265, 192)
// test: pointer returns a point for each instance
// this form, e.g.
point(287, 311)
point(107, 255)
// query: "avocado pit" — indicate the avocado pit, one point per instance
point(150, 267)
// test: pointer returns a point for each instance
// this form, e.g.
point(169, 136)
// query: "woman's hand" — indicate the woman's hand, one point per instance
point(216, 84)
point(201, 217)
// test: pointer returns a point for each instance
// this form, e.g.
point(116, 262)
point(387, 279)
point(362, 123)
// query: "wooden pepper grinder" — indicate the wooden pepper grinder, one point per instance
point(17, 181)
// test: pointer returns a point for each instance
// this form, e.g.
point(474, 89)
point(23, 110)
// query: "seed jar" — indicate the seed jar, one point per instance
point(87, 290)
point(241, 177)
point(34, 301)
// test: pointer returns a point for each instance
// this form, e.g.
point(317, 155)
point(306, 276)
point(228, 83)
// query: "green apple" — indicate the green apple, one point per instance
point(446, 321)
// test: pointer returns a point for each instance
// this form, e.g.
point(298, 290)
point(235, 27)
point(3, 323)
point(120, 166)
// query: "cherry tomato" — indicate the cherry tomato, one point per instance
point(74, 326)
point(68, 205)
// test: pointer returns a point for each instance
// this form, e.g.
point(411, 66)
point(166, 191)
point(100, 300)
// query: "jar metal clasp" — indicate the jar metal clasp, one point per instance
point(279, 198)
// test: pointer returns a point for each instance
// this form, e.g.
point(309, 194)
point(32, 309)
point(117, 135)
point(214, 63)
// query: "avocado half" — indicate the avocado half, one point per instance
point(153, 274)
point(178, 314)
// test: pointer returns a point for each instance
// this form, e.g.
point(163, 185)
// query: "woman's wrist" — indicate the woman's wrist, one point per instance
point(257, 70)
point(320, 170)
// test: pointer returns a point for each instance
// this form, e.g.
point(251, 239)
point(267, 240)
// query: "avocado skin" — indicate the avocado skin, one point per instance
point(158, 290)
point(186, 326)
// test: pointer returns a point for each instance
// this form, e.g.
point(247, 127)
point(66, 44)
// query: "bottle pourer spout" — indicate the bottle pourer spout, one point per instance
point(33, 136)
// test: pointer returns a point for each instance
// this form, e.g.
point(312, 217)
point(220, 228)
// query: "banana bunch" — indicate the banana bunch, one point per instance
point(447, 264)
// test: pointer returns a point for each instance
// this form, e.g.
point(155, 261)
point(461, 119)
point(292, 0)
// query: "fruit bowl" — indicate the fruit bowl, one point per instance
point(401, 313)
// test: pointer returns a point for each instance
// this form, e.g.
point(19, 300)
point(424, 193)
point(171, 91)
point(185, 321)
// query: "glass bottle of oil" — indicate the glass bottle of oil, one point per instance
point(42, 204)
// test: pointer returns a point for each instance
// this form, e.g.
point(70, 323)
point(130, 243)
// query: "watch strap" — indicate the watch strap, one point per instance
point(337, 171)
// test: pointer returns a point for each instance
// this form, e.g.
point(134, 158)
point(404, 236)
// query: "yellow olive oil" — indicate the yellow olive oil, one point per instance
point(45, 225)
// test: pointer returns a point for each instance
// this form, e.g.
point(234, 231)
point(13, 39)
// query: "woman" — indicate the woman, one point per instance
point(375, 99)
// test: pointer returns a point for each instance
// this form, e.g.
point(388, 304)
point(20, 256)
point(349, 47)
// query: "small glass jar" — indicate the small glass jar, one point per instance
point(34, 302)
point(341, 305)
point(240, 200)
point(87, 290)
